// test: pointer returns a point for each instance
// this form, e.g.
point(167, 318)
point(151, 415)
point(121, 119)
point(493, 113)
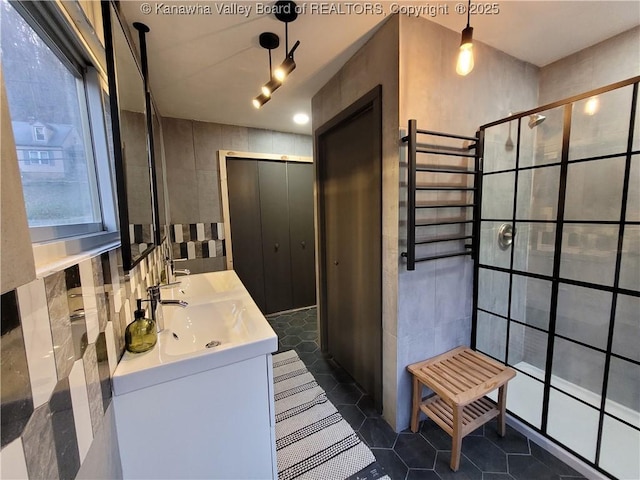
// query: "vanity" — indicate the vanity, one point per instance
point(200, 403)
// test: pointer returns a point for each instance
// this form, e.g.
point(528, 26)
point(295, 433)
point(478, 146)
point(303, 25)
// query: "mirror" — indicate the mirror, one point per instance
point(163, 221)
point(133, 162)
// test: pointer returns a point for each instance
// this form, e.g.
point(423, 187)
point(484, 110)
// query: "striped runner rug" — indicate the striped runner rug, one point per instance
point(313, 441)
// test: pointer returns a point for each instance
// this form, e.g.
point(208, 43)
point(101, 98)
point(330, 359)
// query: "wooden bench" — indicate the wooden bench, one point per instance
point(460, 379)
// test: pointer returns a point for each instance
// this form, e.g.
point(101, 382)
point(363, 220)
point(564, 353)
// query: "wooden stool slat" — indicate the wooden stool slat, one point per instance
point(446, 367)
point(438, 385)
point(479, 370)
point(459, 369)
point(474, 374)
point(489, 366)
point(450, 377)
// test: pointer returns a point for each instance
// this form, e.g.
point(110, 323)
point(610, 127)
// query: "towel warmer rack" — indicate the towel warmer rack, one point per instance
point(470, 151)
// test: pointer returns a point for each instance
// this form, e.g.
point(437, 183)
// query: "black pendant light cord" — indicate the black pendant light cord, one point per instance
point(469, 14)
point(286, 37)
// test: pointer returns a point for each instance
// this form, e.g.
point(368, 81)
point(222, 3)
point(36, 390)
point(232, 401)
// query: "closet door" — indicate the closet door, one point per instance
point(274, 210)
point(301, 230)
point(246, 231)
point(350, 170)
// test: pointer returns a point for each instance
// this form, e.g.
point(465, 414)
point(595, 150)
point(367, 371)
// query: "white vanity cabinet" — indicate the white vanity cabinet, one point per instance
point(216, 424)
point(200, 403)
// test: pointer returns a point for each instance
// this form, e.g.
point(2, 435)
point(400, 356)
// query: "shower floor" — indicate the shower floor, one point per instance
point(575, 424)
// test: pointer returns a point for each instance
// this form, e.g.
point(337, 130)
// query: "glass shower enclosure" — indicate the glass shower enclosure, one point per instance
point(557, 290)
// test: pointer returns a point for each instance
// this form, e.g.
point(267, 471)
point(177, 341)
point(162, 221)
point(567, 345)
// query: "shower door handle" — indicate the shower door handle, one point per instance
point(506, 232)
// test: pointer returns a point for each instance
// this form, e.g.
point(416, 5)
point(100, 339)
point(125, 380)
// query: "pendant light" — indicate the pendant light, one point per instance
point(268, 41)
point(465, 54)
point(286, 12)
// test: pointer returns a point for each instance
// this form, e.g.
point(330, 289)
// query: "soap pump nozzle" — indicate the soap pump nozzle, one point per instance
point(139, 313)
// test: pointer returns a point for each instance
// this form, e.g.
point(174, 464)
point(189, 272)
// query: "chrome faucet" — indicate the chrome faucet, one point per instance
point(172, 272)
point(156, 309)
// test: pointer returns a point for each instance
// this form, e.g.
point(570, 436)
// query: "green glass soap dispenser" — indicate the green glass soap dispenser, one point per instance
point(141, 334)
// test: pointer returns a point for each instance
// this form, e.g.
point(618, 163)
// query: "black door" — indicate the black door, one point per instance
point(350, 175)
point(246, 236)
point(302, 234)
point(272, 231)
point(274, 217)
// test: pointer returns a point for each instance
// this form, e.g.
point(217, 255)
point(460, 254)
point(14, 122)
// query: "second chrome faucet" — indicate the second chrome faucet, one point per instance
point(156, 305)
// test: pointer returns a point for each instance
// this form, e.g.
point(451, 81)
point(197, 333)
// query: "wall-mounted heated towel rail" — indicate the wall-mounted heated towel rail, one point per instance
point(465, 203)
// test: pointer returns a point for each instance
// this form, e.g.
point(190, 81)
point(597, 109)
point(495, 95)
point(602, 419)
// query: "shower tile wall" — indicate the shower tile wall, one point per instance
point(193, 177)
point(62, 337)
point(613, 60)
point(440, 100)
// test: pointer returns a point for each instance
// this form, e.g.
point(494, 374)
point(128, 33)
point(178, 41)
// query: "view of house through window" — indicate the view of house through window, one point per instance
point(48, 114)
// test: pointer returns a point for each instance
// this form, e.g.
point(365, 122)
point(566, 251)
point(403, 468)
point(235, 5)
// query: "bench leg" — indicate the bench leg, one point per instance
point(415, 404)
point(456, 438)
point(502, 406)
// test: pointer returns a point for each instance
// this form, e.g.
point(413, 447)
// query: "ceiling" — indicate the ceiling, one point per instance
point(209, 65)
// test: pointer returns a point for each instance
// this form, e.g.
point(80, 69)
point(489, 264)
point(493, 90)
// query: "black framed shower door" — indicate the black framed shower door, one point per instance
point(557, 276)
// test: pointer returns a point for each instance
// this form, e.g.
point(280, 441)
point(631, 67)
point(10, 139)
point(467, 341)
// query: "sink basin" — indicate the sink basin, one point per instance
point(220, 310)
point(221, 324)
point(202, 287)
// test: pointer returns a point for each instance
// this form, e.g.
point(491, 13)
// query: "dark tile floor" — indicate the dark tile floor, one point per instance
point(416, 456)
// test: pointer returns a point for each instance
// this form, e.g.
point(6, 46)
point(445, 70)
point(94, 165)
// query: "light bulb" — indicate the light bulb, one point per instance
point(284, 69)
point(592, 105)
point(260, 100)
point(465, 59)
point(270, 87)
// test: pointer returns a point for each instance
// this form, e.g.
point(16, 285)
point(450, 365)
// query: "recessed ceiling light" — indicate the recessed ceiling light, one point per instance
point(301, 118)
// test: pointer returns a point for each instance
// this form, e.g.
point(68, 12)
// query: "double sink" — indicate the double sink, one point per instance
point(221, 325)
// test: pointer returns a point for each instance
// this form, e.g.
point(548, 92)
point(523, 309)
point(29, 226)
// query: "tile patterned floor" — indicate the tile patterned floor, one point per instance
point(416, 456)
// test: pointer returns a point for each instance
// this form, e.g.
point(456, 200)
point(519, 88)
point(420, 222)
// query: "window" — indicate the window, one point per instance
point(49, 102)
point(38, 134)
point(38, 158)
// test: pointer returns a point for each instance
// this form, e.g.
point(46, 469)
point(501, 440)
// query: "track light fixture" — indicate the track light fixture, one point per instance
point(285, 11)
point(287, 66)
point(465, 54)
point(269, 41)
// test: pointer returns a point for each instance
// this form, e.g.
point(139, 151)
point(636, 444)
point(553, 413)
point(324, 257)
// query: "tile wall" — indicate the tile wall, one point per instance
point(62, 338)
point(198, 240)
point(193, 182)
point(376, 63)
point(435, 300)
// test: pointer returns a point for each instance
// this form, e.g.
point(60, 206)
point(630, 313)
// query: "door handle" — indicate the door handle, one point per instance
point(506, 232)
point(277, 246)
point(303, 244)
point(336, 262)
